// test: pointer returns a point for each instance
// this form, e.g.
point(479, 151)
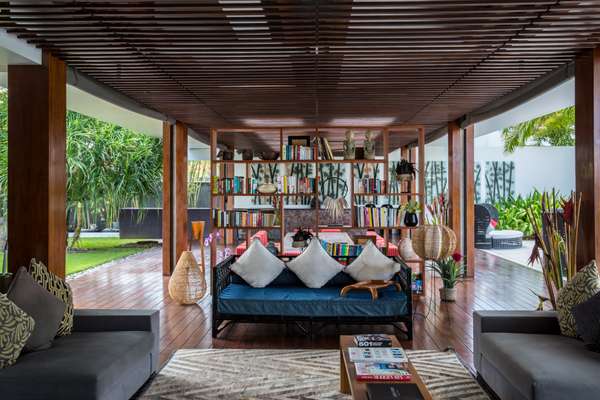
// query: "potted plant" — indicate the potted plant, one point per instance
point(451, 270)
point(411, 209)
point(405, 171)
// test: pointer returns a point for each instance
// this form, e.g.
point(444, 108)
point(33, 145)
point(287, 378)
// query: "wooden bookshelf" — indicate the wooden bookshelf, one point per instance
point(277, 138)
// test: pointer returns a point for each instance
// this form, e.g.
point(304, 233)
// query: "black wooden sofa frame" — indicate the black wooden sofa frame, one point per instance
point(221, 278)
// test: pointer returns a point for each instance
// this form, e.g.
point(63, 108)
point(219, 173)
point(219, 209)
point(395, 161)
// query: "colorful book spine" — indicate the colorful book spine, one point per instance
point(243, 218)
point(369, 216)
point(369, 185)
point(233, 185)
point(293, 185)
point(296, 152)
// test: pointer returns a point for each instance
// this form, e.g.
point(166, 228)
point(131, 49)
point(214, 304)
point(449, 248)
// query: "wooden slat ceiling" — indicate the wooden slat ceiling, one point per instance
point(225, 63)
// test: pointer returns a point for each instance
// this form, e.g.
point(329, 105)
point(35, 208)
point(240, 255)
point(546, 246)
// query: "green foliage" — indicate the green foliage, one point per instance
point(555, 129)
point(449, 270)
point(512, 212)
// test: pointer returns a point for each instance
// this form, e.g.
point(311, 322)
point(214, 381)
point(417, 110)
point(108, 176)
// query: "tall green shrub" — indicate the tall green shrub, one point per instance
point(512, 212)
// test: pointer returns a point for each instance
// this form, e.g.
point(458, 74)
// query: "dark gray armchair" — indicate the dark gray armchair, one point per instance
point(109, 355)
point(521, 355)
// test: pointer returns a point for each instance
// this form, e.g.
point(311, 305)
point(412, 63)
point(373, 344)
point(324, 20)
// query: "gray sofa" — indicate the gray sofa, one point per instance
point(109, 355)
point(521, 355)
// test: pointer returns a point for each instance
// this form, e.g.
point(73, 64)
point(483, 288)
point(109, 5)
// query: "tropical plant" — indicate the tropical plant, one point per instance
point(555, 129)
point(556, 238)
point(438, 210)
point(450, 269)
point(512, 212)
point(412, 206)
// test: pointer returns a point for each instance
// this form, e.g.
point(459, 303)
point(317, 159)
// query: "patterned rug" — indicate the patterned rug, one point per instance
point(291, 374)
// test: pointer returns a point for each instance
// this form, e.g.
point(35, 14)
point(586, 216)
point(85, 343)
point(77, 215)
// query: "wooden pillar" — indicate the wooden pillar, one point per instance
point(37, 179)
point(587, 153)
point(469, 199)
point(455, 172)
point(175, 208)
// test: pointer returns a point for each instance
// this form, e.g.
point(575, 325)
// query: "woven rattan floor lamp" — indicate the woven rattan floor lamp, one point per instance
point(188, 283)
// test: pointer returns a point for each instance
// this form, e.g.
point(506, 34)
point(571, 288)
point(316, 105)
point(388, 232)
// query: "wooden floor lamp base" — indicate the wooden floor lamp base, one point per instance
point(371, 286)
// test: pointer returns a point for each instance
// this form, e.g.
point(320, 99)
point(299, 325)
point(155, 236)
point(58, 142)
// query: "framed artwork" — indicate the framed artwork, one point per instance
point(299, 141)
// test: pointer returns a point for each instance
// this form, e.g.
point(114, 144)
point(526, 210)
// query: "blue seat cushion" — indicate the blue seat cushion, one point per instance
point(241, 299)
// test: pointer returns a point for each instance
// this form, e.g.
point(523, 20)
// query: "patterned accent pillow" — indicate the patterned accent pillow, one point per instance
point(584, 285)
point(59, 288)
point(15, 329)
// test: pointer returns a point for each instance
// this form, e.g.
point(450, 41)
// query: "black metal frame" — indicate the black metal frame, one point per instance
point(221, 278)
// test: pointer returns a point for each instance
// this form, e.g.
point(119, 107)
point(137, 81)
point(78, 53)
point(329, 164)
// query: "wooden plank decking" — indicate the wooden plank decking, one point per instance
point(137, 282)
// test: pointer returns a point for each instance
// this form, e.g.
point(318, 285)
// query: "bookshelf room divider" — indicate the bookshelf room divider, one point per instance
point(257, 174)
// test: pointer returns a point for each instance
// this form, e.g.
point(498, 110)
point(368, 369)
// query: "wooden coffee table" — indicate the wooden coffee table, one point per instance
point(358, 389)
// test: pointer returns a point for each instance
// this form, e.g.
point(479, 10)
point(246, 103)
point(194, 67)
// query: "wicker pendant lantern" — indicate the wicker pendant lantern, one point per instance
point(433, 242)
point(187, 284)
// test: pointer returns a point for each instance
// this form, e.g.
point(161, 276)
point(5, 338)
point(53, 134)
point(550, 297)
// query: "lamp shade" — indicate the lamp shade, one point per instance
point(187, 284)
point(433, 242)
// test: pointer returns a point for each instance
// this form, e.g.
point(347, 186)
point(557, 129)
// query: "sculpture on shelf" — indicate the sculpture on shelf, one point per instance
point(349, 146)
point(369, 146)
point(301, 238)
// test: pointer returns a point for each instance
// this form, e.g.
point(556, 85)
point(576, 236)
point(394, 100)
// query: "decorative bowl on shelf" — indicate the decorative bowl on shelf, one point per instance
point(269, 155)
point(247, 154)
point(266, 188)
point(225, 155)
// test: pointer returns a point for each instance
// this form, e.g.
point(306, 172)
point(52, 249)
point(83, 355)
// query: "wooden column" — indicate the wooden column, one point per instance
point(175, 215)
point(167, 211)
point(37, 179)
point(469, 199)
point(455, 172)
point(587, 153)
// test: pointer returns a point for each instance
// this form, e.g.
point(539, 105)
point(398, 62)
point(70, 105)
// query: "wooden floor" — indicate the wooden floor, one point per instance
point(137, 282)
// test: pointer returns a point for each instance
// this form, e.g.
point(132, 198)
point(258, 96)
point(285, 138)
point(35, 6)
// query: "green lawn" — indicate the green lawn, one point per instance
point(91, 252)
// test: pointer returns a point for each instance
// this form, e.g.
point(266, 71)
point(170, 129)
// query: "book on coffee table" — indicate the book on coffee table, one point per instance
point(385, 391)
point(377, 354)
point(396, 372)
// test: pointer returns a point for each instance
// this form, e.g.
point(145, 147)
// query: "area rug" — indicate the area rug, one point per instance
point(291, 374)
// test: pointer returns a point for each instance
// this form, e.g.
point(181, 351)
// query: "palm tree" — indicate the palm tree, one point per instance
point(555, 129)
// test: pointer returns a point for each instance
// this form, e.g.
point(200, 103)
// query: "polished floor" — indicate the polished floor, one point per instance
point(137, 282)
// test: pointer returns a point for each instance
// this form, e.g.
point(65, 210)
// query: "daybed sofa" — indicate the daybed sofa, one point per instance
point(287, 299)
point(109, 355)
point(522, 356)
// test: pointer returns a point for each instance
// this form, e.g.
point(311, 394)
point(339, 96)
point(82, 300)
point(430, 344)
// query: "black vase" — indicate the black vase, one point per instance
point(411, 219)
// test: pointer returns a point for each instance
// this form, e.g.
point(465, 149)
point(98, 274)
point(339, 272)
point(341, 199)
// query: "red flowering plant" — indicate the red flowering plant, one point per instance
point(451, 269)
point(555, 241)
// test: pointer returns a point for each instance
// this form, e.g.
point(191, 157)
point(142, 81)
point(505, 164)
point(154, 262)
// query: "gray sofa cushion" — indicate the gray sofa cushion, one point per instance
point(83, 365)
point(538, 365)
point(46, 309)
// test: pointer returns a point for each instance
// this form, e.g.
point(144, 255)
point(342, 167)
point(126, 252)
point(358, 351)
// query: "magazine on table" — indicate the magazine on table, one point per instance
point(377, 354)
point(373, 340)
point(396, 372)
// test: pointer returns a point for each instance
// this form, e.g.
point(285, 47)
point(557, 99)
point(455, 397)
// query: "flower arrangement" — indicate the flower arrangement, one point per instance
point(556, 238)
point(438, 210)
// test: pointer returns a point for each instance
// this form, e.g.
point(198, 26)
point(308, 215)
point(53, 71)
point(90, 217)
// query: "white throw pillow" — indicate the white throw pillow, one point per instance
point(258, 266)
point(314, 266)
point(371, 265)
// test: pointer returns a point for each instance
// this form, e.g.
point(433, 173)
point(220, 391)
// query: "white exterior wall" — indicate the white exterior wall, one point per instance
point(536, 167)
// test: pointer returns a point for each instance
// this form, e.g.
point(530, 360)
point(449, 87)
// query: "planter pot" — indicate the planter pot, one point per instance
point(404, 177)
point(448, 294)
point(411, 219)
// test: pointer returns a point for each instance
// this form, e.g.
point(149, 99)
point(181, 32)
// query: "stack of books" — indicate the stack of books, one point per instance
point(370, 216)
point(293, 184)
point(233, 185)
point(380, 363)
point(244, 218)
point(369, 185)
point(342, 249)
point(324, 149)
point(295, 152)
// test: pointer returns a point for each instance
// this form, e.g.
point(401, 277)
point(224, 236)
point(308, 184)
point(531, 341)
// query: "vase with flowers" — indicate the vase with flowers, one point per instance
point(411, 219)
point(451, 270)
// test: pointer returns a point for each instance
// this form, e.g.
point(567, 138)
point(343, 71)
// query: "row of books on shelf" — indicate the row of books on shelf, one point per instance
point(233, 185)
point(244, 218)
point(293, 185)
point(296, 152)
point(371, 216)
point(369, 185)
point(341, 249)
